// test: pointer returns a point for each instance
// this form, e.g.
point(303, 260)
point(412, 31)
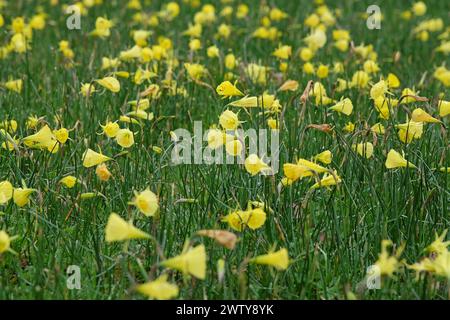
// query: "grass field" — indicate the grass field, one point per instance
point(152, 67)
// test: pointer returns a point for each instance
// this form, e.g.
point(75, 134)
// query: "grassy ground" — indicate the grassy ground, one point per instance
point(332, 235)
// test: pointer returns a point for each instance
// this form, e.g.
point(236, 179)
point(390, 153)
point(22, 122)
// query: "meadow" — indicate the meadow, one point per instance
point(92, 94)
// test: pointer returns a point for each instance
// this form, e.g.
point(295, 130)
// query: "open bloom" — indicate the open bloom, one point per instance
point(14, 85)
point(102, 27)
point(110, 83)
point(43, 139)
point(234, 148)
point(254, 165)
point(5, 242)
point(252, 218)
point(325, 157)
point(283, 52)
point(21, 196)
point(344, 106)
point(387, 263)
point(396, 160)
point(379, 89)
point(393, 81)
point(420, 115)
point(125, 138)
point(195, 70)
point(439, 246)
point(364, 149)
point(316, 40)
point(146, 201)
point(61, 135)
point(118, 229)
point(279, 259)
point(303, 168)
point(216, 138)
point(102, 172)
point(159, 289)
point(229, 120)
point(228, 90)
point(68, 181)
point(444, 108)
point(92, 158)
point(327, 180)
point(409, 131)
point(192, 262)
point(6, 191)
point(110, 129)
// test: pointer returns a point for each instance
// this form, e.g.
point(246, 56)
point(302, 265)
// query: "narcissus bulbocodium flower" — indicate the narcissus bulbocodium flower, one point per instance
point(272, 123)
point(125, 138)
point(69, 181)
point(233, 147)
point(379, 89)
point(159, 289)
point(195, 70)
point(344, 106)
point(257, 73)
point(43, 139)
point(14, 85)
point(146, 201)
point(216, 138)
point(110, 129)
point(364, 149)
point(279, 259)
point(6, 191)
point(102, 172)
point(393, 81)
point(227, 90)
point(438, 246)
point(229, 120)
point(444, 108)
point(192, 262)
point(387, 263)
point(5, 242)
point(212, 52)
point(117, 229)
point(439, 265)
point(87, 89)
point(303, 168)
point(61, 135)
point(102, 27)
point(283, 52)
point(110, 83)
point(409, 95)
point(396, 160)
point(289, 85)
point(325, 157)
point(409, 131)
point(21, 196)
point(266, 101)
point(252, 218)
point(420, 115)
point(92, 158)
point(316, 40)
point(254, 165)
point(328, 179)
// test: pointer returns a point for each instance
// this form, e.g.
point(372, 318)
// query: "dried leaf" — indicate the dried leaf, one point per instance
point(224, 238)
